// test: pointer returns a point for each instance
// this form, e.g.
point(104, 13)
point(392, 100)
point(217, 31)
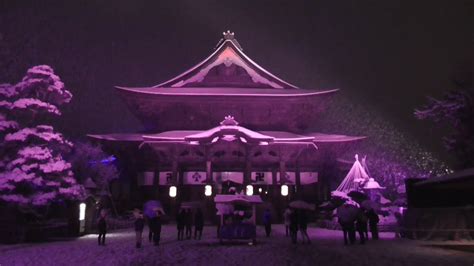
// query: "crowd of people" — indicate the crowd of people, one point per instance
point(359, 223)
point(295, 220)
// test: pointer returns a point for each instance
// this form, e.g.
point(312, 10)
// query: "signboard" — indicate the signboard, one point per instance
point(166, 178)
point(194, 178)
point(262, 178)
point(289, 178)
point(237, 177)
point(308, 178)
point(145, 178)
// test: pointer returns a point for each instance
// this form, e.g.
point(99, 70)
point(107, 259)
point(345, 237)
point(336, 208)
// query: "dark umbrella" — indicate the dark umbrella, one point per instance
point(150, 208)
point(357, 196)
point(347, 213)
point(299, 204)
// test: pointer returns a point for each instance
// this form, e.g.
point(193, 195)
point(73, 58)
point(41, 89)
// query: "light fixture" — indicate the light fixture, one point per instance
point(173, 191)
point(249, 190)
point(284, 190)
point(208, 190)
point(260, 189)
point(82, 212)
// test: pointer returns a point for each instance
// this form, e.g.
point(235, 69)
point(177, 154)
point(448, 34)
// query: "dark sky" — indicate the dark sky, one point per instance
point(385, 54)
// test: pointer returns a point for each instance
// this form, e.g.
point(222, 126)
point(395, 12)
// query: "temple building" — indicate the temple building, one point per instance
point(226, 122)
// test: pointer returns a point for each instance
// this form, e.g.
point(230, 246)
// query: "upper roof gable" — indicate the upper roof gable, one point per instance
point(227, 66)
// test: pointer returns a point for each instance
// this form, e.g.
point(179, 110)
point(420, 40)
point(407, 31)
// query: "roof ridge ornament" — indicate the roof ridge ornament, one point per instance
point(229, 121)
point(229, 35)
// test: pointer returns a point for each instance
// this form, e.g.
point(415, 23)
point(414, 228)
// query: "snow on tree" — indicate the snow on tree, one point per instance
point(456, 108)
point(33, 171)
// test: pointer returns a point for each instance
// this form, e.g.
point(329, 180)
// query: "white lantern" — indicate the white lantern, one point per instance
point(249, 190)
point(284, 190)
point(173, 191)
point(82, 212)
point(208, 190)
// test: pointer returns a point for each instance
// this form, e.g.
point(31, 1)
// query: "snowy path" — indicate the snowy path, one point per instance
point(326, 249)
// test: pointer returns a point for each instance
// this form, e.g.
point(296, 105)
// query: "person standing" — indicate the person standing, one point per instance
point(180, 221)
point(198, 224)
point(189, 223)
point(286, 218)
point(155, 226)
point(102, 226)
point(373, 224)
point(303, 225)
point(267, 222)
point(293, 226)
point(139, 225)
point(361, 225)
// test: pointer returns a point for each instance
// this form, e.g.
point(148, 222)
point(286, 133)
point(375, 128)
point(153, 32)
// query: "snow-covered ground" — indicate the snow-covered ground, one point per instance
point(327, 249)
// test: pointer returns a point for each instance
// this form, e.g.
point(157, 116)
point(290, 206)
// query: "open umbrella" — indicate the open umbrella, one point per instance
point(299, 204)
point(150, 208)
point(357, 195)
point(347, 213)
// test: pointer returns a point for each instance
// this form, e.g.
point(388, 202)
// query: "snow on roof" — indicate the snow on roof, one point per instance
point(118, 136)
point(228, 53)
point(218, 91)
point(321, 137)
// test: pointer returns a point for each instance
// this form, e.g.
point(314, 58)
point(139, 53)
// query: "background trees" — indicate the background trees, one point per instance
point(455, 110)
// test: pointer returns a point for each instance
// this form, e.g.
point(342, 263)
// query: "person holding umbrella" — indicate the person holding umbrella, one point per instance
point(293, 225)
point(303, 225)
point(198, 224)
point(139, 225)
point(155, 226)
point(180, 222)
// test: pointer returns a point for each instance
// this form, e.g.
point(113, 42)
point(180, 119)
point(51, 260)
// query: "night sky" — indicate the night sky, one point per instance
point(387, 55)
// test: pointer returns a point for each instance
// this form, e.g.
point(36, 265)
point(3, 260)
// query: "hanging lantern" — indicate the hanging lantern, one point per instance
point(249, 190)
point(284, 190)
point(173, 191)
point(208, 190)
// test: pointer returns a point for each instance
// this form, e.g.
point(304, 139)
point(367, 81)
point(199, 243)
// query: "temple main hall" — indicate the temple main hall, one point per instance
point(227, 124)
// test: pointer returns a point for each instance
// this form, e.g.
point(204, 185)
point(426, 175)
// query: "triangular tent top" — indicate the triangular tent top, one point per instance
point(356, 175)
point(227, 66)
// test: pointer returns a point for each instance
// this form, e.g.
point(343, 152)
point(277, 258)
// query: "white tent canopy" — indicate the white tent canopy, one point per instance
point(354, 178)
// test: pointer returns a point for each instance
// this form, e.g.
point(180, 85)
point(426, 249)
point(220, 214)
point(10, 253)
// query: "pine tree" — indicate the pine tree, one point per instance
point(33, 171)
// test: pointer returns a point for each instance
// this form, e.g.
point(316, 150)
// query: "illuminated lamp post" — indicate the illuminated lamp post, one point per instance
point(82, 217)
point(372, 187)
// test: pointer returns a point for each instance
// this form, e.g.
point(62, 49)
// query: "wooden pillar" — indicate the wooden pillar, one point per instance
point(208, 171)
point(248, 166)
point(282, 172)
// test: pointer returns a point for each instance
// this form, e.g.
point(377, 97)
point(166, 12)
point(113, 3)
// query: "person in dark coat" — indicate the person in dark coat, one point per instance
point(198, 224)
point(180, 222)
point(293, 226)
point(102, 226)
point(150, 231)
point(361, 225)
point(373, 224)
point(303, 225)
point(155, 226)
point(139, 225)
point(189, 223)
point(267, 222)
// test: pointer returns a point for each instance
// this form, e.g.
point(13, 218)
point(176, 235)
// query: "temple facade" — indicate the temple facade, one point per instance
point(225, 123)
